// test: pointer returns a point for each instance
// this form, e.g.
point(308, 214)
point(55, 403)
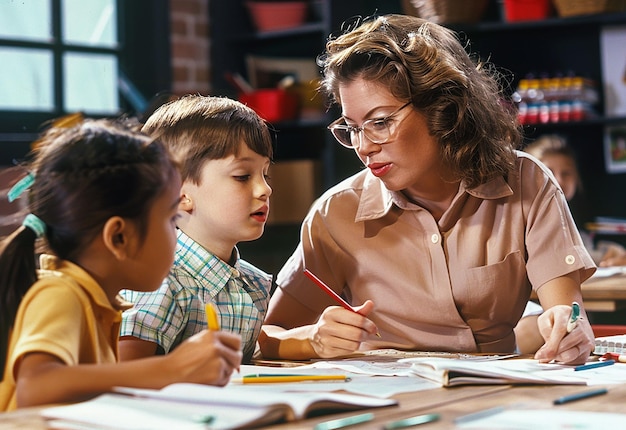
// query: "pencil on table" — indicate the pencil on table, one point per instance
point(265, 379)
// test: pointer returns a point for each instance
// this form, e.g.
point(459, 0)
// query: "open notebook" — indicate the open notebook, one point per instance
point(450, 372)
point(195, 406)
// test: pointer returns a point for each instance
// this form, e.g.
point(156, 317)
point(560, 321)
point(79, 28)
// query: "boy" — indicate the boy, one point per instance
point(224, 151)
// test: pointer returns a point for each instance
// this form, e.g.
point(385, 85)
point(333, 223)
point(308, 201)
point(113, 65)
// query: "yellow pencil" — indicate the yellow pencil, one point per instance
point(264, 379)
point(211, 317)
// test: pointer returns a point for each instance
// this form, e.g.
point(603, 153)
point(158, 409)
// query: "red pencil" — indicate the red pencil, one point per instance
point(328, 290)
point(336, 297)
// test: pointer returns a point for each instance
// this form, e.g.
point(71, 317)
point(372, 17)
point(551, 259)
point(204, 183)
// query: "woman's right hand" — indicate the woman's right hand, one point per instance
point(208, 357)
point(340, 331)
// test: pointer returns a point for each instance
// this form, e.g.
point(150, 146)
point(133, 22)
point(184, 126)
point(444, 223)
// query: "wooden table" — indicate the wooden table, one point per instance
point(605, 294)
point(450, 403)
point(602, 294)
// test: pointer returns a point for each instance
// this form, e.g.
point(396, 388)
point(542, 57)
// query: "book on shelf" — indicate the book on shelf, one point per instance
point(607, 225)
point(451, 372)
point(196, 406)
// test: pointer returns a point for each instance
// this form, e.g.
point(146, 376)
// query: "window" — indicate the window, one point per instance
point(66, 63)
point(98, 57)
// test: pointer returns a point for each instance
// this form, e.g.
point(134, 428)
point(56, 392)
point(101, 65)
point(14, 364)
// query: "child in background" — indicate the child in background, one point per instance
point(614, 256)
point(104, 198)
point(224, 150)
point(554, 152)
point(559, 157)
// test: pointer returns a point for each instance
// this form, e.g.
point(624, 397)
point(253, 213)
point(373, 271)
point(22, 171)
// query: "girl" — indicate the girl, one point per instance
point(104, 198)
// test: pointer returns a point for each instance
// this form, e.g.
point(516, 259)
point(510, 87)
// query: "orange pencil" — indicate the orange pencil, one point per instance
point(211, 317)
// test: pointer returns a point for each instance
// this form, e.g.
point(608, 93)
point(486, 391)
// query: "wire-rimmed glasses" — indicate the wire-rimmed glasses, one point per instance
point(377, 130)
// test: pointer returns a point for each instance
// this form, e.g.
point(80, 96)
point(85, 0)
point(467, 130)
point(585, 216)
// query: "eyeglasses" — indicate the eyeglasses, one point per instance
point(377, 130)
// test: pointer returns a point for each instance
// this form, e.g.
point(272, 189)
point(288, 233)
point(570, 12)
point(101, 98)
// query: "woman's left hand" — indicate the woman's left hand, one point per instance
point(561, 346)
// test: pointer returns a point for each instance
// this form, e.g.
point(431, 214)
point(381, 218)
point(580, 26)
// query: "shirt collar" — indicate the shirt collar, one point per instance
point(54, 266)
point(202, 264)
point(376, 200)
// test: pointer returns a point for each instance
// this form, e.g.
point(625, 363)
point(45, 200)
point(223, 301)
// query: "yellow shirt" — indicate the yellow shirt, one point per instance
point(65, 314)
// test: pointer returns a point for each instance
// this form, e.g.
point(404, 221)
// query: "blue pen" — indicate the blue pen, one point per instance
point(594, 365)
point(580, 396)
point(413, 421)
point(344, 422)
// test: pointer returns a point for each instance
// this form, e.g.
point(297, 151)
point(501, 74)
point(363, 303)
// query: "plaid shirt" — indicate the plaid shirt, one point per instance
point(176, 310)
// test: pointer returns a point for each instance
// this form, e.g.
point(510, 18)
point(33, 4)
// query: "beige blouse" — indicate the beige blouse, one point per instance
point(460, 284)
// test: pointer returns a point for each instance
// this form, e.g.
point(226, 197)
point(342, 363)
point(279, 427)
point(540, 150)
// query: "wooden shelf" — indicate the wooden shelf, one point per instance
point(576, 22)
point(308, 28)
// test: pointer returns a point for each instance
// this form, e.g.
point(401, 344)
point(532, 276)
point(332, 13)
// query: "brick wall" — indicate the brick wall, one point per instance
point(190, 46)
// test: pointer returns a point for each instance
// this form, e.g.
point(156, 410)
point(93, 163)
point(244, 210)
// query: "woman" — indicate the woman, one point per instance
point(444, 234)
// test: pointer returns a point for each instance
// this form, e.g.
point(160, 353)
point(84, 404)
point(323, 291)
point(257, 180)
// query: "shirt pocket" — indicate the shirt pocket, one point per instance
point(496, 291)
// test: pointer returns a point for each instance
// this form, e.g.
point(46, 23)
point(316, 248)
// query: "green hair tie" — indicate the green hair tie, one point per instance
point(22, 185)
point(35, 224)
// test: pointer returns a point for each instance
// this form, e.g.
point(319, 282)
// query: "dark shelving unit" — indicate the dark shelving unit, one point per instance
point(516, 48)
point(562, 45)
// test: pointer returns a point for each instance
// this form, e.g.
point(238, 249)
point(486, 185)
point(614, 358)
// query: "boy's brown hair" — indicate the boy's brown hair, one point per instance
point(198, 128)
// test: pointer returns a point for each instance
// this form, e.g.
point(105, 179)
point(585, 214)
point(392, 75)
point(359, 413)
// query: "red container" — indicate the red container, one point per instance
point(272, 104)
point(527, 10)
point(280, 15)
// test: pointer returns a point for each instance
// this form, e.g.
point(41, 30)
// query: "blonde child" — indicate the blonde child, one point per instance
point(559, 157)
point(104, 199)
point(224, 151)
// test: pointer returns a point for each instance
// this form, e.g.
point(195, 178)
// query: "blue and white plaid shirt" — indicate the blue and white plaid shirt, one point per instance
point(176, 310)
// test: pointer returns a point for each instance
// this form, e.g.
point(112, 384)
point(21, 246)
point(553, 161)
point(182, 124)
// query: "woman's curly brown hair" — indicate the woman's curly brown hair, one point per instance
point(425, 63)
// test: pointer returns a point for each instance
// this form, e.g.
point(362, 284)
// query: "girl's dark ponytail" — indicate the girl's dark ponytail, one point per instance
point(18, 271)
point(80, 176)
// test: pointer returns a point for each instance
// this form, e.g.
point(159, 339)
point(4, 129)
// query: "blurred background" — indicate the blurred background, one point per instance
point(563, 65)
